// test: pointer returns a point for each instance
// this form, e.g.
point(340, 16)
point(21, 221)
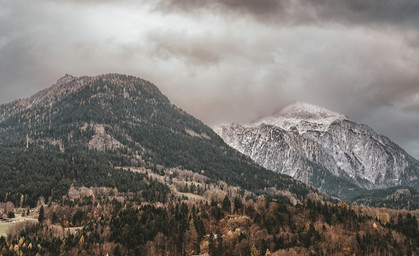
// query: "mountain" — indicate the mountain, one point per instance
point(59, 135)
point(106, 165)
point(324, 149)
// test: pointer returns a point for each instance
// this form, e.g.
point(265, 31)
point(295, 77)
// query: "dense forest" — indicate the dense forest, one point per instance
point(231, 226)
point(28, 175)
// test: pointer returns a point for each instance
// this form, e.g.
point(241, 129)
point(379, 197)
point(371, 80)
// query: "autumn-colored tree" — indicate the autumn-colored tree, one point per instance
point(254, 251)
point(191, 240)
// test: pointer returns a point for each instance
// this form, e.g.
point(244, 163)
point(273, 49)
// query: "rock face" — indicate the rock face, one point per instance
point(324, 149)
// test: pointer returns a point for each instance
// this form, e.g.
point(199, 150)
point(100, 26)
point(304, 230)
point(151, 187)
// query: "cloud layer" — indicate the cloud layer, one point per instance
point(350, 12)
point(229, 60)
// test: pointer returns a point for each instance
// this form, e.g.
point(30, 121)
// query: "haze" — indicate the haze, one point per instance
point(229, 60)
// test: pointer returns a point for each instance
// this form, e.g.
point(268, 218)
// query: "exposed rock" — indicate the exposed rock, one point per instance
point(57, 142)
point(315, 145)
point(195, 134)
point(102, 141)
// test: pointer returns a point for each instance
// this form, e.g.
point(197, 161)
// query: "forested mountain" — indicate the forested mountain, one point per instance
point(58, 136)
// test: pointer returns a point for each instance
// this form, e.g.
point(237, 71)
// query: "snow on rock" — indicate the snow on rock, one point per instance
point(303, 117)
point(302, 136)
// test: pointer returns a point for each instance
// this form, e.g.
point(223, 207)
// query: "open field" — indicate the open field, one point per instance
point(191, 196)
point(5, 226)
point(73, 230)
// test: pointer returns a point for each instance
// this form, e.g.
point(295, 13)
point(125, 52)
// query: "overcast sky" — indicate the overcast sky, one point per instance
point(229, 60)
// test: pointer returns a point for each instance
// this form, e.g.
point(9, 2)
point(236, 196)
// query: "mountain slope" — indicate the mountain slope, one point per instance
point(126, 121)
point(324, 149)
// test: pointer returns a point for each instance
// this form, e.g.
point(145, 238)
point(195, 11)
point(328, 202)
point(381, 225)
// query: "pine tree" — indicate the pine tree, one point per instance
point(212, 245)
point(41, 216)
point(226, 204)
point(10, 215)
point(54, 217)
point(220, 248)
point(237, 204)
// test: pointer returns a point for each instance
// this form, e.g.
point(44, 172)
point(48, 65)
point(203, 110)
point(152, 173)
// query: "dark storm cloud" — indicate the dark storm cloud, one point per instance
point(301, 11)
point(262, 7)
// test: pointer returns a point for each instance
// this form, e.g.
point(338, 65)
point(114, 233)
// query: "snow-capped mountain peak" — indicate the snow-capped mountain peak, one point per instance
point(324, 149)
point(308, 111)
point(303, 117)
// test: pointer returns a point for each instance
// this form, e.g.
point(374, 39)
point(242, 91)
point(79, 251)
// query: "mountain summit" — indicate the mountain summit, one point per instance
point(304, 117)
point(325, 149)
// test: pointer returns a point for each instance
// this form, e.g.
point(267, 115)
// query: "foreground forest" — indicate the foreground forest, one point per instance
point(215, 219)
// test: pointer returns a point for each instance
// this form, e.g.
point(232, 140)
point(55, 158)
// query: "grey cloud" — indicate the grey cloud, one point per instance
point(262, 10)
point(18, 54)
point(302, 12)
point(402, 12)
point(261, 7)
point(201, 49)
point(285, 12)
point(402, 127)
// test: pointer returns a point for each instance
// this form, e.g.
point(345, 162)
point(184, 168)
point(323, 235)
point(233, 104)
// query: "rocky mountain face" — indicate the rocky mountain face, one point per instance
point(325, 149)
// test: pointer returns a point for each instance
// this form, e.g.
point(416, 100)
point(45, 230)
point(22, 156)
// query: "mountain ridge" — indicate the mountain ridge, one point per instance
point(322, 142)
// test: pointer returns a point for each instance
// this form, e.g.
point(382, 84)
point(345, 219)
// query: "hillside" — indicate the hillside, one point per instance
point(114, 121)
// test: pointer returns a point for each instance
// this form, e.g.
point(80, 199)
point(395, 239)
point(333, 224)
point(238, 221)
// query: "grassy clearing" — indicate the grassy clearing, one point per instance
point(4, 227)
point(191, 196)
point(73, 230)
